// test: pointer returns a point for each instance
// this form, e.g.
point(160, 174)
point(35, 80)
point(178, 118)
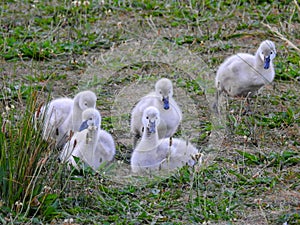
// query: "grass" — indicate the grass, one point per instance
point(57, 48)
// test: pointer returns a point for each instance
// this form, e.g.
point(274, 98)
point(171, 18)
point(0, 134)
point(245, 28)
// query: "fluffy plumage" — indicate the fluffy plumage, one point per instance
point(153, 154)
point(91, 144)
point(243, 74)
point(64, 115)
point(162, 99)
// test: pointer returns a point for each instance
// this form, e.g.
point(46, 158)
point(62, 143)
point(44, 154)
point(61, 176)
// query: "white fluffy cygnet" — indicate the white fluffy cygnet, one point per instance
point(153, 154)
point(162, 99)
point(64, 115)
point(91, 144)
point(243, 74)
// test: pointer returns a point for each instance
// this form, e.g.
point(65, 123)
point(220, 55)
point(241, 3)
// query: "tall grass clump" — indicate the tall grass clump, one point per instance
point(23, 155)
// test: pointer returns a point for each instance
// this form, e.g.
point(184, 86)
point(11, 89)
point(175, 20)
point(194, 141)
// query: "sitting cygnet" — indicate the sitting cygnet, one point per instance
point(153, 154)
point(64, 115)
point(162, 99)
point(91, 144)
point(243, 74)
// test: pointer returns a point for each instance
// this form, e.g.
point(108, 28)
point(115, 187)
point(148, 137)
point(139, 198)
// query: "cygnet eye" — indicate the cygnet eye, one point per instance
point(147, 117)
point(271, 53)
point(85, 103)
point(90, 118)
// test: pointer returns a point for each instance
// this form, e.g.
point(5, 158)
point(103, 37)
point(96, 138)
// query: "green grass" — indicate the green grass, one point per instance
point(22, 159)
point(56, 48)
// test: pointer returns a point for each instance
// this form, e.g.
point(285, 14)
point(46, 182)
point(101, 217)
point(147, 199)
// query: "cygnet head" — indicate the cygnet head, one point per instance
point(150, 119)
point(164, 88)
point(267, 52)
point(85, 100)
point(90, 117)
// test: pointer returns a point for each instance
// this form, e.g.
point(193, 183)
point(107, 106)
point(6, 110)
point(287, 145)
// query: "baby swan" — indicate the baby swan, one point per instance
point(91, 144)
point(162, 99)
point(153, 154)
point(64, 115)
point(243, 74)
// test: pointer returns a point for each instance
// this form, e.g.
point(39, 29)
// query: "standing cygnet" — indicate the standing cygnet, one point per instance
point(162, 99)
point(243, 74)
point(154, 154)
point(91, 144)
point(64, 115)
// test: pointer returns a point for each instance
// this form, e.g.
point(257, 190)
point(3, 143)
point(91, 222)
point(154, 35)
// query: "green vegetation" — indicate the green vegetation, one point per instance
point(56, 48)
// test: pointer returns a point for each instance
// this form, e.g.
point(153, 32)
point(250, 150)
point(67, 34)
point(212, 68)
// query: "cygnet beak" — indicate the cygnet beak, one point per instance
point(84, 125)
point(166, 102)
point(267, 63)
point(151, 127)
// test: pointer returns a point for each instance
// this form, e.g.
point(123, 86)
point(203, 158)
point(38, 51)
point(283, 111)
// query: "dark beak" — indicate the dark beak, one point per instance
point(84, 125)
point(267, 63)
point(166, 103)
point(151, 127)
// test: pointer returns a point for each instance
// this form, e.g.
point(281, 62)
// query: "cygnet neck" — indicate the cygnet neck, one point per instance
point(76, 115)
point(148, 137)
